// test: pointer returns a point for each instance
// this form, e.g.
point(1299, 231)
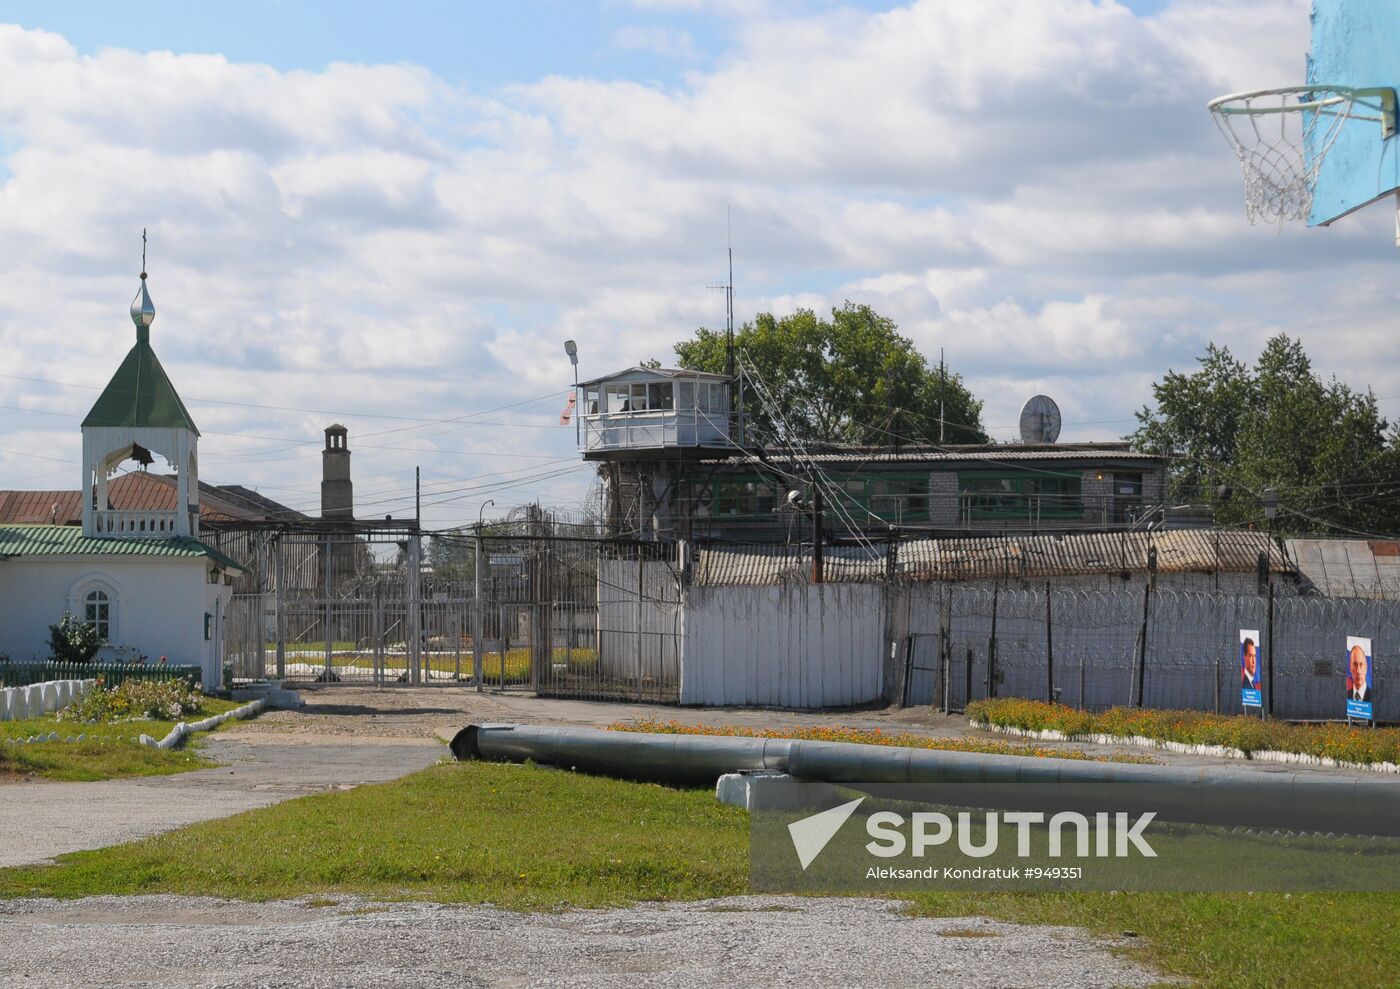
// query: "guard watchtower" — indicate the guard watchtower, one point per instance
point(644, 425)
point(647, 413)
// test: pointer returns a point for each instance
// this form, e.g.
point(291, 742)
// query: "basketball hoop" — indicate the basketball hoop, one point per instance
point(1282, 136)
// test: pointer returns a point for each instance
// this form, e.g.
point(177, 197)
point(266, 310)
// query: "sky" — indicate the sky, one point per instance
point(392, 216)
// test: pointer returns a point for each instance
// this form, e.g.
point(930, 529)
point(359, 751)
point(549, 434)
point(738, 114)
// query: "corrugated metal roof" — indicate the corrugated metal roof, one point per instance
point(138, 491)
point(1001, 557)
point(656, 372)
point(1350, 568)
point(60, 507)
point(995, 453)
point(68, 540)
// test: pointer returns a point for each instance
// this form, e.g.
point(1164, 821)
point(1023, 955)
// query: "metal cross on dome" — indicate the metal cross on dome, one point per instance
point(143, 311)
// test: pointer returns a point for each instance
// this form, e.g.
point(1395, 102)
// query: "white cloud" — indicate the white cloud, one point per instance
point(1031, 184)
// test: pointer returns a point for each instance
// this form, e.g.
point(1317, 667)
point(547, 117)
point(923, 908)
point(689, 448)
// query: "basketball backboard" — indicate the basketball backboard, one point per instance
point(1355, 43)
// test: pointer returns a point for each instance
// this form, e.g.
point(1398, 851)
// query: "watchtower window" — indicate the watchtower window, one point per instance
point(659, 397)
point(97, 612)
point(618, 397)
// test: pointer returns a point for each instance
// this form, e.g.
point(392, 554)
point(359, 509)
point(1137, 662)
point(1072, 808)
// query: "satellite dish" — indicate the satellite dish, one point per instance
point(1040, 420)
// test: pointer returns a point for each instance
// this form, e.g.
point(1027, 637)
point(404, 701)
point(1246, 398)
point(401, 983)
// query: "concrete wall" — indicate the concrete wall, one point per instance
point(159, 604)
point(791, 646)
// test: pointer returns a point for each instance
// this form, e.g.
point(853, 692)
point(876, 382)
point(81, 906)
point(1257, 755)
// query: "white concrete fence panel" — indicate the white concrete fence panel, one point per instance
point(39, 699)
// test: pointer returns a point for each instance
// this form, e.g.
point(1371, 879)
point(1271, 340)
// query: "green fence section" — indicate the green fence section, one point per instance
point(112, 674)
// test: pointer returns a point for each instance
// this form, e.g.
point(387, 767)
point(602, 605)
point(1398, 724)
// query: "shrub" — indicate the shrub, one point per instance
point(134, 700)
point(73, 641)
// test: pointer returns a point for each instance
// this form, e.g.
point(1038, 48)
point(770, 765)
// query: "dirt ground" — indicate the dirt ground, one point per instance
point(440, 712)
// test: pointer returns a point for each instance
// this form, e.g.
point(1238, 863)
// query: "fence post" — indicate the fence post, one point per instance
point(376, 631)
point(1142, 645)
point(1269, 660)
point(641, 562)
point(992, 647)
point(1049, 649)
point(329, 673)
point(945, 656)
point(908, 670)
point(476, 613)
point(280, 599)
point(415, 601)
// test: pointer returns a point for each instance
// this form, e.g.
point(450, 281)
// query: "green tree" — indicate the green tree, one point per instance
point(1331, 458)
point(850, 379)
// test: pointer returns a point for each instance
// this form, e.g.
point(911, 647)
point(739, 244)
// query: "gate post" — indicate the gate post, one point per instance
point(476, 613)
point(280, 599)
point(415, 616)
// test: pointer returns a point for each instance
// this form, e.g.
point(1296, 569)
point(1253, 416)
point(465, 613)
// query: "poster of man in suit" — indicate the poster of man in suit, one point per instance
point(1251, 694)
point(1360, 678)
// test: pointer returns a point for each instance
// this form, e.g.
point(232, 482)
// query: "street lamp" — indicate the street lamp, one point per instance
point(571, 349)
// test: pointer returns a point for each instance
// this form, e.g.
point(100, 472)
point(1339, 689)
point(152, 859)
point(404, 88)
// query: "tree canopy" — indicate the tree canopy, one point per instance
point(850, 379)
point(1331, 458)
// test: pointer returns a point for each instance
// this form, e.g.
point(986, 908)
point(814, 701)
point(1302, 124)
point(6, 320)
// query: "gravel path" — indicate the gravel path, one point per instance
point(741, 941)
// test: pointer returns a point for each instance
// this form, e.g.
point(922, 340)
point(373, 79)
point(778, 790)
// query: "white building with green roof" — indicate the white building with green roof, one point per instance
point(141, 576)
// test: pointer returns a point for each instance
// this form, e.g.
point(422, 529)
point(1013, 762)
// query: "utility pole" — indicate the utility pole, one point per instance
point(818, 535)
point(942, 391)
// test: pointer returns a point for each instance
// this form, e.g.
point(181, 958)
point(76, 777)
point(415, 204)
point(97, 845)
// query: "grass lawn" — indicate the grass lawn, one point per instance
point(88, 761)
point(531, 838)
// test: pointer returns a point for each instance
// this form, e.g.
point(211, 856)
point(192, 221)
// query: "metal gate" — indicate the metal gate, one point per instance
point(528, 605)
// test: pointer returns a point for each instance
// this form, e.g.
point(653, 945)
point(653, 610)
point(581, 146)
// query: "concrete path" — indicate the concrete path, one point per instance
point(42, 819)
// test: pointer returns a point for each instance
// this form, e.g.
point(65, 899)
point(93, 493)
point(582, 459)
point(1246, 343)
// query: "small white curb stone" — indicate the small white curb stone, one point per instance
point(1219, 751)
point(180, 731)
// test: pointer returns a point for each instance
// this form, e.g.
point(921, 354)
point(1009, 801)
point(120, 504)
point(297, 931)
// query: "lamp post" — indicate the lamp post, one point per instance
point(571, 349)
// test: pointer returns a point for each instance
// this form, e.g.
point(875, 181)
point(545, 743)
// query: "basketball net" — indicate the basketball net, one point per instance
point(1281, 138)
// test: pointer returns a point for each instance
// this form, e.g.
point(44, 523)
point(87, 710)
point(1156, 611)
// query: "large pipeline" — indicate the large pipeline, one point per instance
point(1262, 799)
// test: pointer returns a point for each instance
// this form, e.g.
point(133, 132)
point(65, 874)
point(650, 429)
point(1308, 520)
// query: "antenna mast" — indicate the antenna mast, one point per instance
point(729, 299)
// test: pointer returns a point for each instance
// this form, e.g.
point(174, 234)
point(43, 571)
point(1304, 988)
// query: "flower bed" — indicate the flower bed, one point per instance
point(134, 700)
point(866, 736)
point(1249, 736)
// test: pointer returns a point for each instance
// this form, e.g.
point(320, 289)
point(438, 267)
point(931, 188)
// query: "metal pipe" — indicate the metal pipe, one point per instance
point(631, 755)
point(1223, 795)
